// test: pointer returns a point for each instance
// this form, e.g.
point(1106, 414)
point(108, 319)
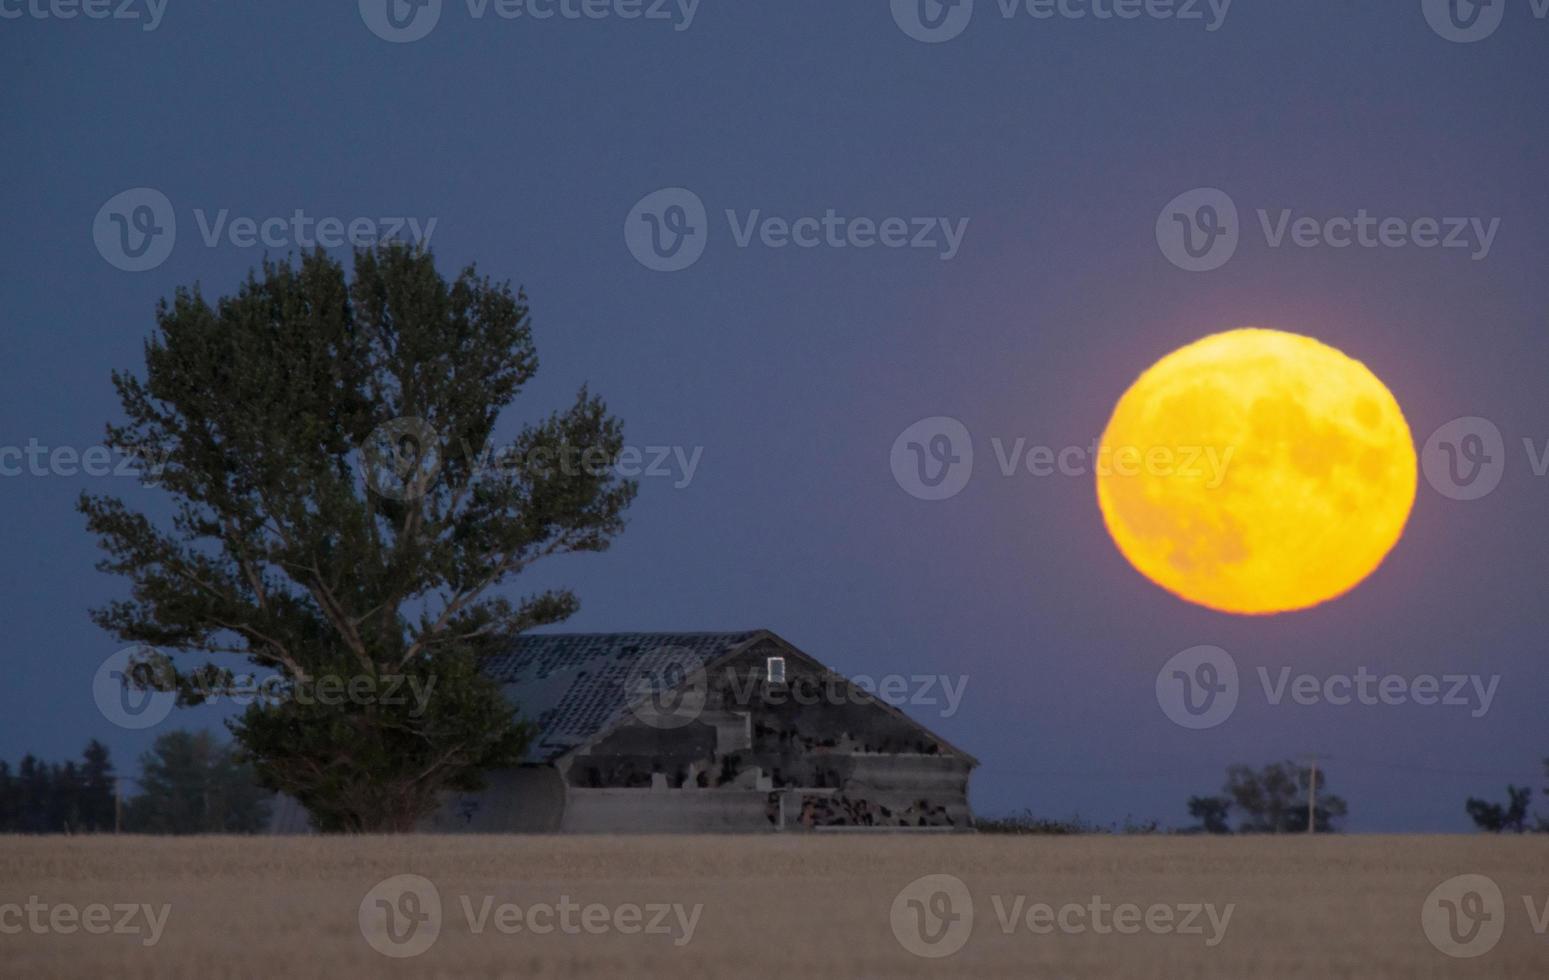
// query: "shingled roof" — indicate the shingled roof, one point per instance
point(573, 686)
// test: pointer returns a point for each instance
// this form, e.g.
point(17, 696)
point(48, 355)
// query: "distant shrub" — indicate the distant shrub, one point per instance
point(1025, 822)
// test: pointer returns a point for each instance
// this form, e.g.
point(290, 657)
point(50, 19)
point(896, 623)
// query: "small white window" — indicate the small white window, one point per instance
point(777, 670)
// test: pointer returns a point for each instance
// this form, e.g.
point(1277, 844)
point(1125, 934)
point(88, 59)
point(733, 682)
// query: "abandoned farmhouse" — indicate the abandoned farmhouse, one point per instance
point(701, 732)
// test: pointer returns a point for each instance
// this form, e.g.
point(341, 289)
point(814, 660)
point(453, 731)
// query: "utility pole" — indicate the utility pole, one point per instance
point(1312, 796)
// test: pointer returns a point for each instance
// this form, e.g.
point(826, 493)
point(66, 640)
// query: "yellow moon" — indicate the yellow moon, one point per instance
point(1256, 471)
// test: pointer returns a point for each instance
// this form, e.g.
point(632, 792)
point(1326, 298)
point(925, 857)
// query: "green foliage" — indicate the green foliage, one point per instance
point(281, 554)
point(191, 784)
point(1494, 818)
point(1211, 812)
point(362, 766)
point(1273, 800)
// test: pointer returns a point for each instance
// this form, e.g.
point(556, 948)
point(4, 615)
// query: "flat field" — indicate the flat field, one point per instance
point(775, 906)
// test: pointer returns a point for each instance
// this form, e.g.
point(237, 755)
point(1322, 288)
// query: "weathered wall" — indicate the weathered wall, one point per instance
point(628, 756)
point(526, 800)
point(667, 812)
point(287, 816)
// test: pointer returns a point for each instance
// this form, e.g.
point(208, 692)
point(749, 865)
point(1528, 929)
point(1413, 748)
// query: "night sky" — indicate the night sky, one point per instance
point(794, 369)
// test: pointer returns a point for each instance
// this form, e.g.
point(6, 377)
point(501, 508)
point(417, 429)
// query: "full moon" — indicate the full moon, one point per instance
point(1256, 471)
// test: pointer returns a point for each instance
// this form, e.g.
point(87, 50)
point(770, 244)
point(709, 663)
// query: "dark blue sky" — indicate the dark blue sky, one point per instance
point(1059, 140)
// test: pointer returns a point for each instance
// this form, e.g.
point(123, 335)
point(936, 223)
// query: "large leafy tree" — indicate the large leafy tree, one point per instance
point(339, 520)
point(1271, 800)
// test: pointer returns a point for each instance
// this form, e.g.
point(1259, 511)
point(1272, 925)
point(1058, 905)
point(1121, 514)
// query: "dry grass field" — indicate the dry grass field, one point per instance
point(789, 906)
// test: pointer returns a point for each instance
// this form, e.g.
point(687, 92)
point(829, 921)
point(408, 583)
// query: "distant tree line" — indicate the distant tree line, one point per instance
point(1510, 817)
point(53, 798)
point(1026, 822)
point(189, 783)
point(1271, 800)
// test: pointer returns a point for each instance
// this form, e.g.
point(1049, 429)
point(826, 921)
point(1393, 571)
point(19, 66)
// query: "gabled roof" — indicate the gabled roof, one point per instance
point(576, 687)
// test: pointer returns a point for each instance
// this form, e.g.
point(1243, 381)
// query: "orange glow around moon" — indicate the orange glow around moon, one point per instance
point(1256, 471)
